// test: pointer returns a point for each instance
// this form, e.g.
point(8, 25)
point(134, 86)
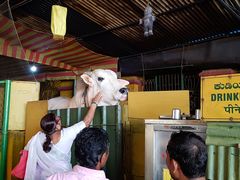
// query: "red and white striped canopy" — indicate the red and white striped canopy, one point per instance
point(21, 42)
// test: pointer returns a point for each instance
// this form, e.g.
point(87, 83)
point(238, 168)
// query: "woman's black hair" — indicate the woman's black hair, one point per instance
point(48, 125)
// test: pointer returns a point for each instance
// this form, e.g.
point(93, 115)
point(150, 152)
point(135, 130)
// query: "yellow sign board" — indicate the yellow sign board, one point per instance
point(152, 104)
point(220, 97)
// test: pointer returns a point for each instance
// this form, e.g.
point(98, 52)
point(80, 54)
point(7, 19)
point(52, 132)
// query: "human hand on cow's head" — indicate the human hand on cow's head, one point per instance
point(90, 114)
point(96, 100)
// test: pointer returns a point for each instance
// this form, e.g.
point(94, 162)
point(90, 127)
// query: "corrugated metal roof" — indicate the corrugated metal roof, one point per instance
point(177, 21)
point(117, 22)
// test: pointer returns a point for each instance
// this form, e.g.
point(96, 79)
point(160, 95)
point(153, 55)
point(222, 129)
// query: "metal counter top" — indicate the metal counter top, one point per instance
point(171, 121)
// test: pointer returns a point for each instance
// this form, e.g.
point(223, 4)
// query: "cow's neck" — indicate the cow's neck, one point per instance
point(78, 99)
point(83, 97)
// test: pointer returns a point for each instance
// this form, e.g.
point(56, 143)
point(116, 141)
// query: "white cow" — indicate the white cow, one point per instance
point(89, 84)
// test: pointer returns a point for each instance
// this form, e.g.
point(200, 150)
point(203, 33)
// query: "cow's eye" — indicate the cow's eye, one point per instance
point(100, 79)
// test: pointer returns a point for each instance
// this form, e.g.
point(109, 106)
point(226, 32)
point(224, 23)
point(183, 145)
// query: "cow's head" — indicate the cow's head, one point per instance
point(105, 81)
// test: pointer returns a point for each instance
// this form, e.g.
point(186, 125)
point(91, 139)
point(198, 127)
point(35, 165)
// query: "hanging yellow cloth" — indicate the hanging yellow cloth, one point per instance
point(58, 22)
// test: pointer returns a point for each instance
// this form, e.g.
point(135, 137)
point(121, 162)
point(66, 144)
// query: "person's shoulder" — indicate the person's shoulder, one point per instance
point(92, 176)
point(38, 135)
point(41, 135)
point(64, 176)
point(89, 177)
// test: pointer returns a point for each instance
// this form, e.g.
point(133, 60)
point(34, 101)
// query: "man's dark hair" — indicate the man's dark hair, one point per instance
point(90, 145)
point(190, 151)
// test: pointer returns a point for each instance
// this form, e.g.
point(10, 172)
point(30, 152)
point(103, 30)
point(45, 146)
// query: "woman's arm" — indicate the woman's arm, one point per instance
point(90, 114)
point(72, 131)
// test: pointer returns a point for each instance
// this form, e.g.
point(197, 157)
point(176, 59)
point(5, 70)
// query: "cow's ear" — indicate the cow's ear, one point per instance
point(123, 82)
point(87, 79)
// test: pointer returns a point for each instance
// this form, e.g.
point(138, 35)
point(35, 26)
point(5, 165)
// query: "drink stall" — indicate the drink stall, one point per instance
point(217, 122)
point(157, 134)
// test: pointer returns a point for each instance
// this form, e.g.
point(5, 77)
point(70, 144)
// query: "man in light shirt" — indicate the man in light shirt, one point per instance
point(91, 151)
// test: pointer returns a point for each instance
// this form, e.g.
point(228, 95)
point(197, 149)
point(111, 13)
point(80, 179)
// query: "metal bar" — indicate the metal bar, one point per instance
point(58, 112)
point(79, 114)
point(149, 155)
point(178, 82)
point(231, 163)
point(168, 79)
point(3, 159)
point(118, 136)
point(159, 83)
point(104, 117)
point(68, 117)
point(175, 81)
point(156, 83)
point(165, 82)
point(145, 85)
point(221, 157)
point(182, 81)
point(171, 81)
point(162, 83)
point(75, 87)
point(211, 151)
point(119, 115)
point(238, 163)
point(152, 85)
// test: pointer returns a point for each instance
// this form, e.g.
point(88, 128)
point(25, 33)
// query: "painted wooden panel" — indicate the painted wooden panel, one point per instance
point(21, 93)
point(153, 104)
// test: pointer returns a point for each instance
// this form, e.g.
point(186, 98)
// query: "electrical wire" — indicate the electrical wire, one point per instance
point(143, 68)
point(15, 29)
point(182, 76)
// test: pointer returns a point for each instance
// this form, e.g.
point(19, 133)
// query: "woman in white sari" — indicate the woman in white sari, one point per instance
point(49, 151)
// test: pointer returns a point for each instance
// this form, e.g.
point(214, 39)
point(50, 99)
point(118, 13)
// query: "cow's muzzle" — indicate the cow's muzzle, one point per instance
point(123, 90)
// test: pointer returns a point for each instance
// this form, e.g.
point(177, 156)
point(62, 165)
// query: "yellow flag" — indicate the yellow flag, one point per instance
point(58, 21)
